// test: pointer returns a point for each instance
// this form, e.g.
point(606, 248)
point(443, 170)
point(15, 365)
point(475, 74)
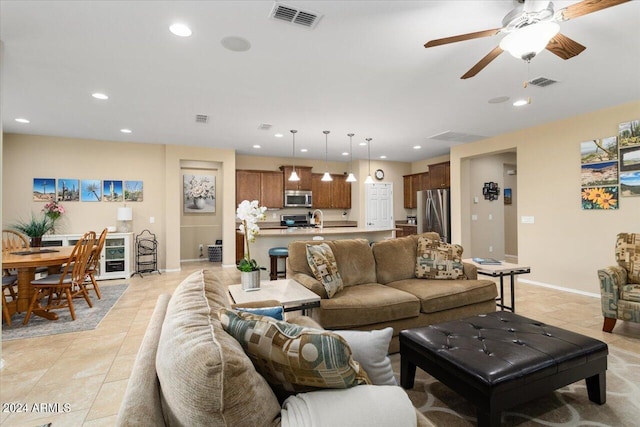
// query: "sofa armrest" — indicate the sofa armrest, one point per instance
point(470, 271)
point(311, 283)
point(362, 405)
point(611, 281)
point(141, 404)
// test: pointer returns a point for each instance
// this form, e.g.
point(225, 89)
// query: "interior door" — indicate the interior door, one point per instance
point(379, 206)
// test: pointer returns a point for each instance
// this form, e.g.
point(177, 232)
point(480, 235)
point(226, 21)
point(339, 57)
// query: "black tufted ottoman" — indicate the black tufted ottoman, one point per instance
point(499, 360)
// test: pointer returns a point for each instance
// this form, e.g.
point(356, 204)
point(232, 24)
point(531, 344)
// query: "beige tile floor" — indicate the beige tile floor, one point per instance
point(89, 370)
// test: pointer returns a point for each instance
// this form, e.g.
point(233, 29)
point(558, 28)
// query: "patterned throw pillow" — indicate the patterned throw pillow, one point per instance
point(325, 269)
point(275, 312)
point(438, 260)
point(628, 255)
point(293, 358)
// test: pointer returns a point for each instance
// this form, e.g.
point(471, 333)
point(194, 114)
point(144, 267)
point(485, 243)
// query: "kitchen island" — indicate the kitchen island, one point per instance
point(271, 238)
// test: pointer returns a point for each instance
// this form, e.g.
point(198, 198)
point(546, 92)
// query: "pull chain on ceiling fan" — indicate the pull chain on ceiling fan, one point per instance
point(531, 28)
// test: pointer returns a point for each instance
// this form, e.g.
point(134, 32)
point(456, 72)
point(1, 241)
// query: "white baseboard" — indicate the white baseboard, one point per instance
point(559, 288)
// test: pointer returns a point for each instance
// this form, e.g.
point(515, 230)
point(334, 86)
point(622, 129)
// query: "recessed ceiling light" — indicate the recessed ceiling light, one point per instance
point(236, 44)
point(303, 150)
point(125, 130)
point(363, 143)
point(180, 30)
point(417, 147)
point(520, 102)
point(278, 135)
point(345, 154)
point(257, 146)
point(383, 157)
point(99, 95)
point(22, 120)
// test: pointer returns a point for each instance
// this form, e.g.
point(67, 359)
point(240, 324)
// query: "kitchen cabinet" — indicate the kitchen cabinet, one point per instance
point(334, 194)
point(304, 172)
point(406, 230)
point(412, 184)
point(440, 175)
point(116, 258)
point(264, 186)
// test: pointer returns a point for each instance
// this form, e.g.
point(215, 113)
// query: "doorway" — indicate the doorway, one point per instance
point(379, 206)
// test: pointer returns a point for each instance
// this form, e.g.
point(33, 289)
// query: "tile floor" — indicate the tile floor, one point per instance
point(89, 370)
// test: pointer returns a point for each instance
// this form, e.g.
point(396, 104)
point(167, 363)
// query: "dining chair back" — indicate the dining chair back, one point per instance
point(8, 283)
point(60, 289)
point(94, 263)
point(13, 241)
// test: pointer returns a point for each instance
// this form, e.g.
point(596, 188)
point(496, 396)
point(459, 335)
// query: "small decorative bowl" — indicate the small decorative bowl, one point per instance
point(289, 222)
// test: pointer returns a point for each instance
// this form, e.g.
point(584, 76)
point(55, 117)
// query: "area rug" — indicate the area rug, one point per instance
point(566, 407)
point(86, 318)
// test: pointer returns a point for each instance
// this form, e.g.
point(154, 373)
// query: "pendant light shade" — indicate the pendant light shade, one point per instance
point(326, 176)
point(351, 177)
point(369, 180)
point(294, 176)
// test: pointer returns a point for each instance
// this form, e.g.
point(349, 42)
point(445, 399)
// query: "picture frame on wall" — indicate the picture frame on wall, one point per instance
point(112, 191)
point(91, 190)
point(44, 189)
point(133, 191)
point(68, 190)
point(600, 198)
point(599, 150)
point(629, 133)
point(603, 173)
point(630, 184)
point(507, 196)
point(199, 193)
point(630, 158)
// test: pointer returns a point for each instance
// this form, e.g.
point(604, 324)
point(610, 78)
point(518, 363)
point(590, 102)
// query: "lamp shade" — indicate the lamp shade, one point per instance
point(351, 177)
point(125, 214)
point(526, 42)
point(294, 176)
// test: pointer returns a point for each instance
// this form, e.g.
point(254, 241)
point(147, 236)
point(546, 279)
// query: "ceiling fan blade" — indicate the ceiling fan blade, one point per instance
point(462, 37)
point(564, 47)
point(587, 6)
point(483, 63)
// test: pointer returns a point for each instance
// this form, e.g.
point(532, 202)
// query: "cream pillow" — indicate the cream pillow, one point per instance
point(324, 267)
point(370, 349)
point(293, 358)
point(438, 260)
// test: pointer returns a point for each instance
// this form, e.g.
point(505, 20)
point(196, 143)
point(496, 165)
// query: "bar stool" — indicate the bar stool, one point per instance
point(275, 254)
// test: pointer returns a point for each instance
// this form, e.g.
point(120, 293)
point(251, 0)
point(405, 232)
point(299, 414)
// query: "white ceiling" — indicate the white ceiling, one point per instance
point(363, 69)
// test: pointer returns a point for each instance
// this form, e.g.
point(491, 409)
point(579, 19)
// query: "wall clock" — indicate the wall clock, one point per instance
point(379, 174)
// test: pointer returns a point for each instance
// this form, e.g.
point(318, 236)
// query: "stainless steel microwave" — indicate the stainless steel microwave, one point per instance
point(297, 199)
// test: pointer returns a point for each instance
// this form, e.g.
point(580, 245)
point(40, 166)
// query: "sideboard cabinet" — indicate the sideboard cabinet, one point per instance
point(116, 259)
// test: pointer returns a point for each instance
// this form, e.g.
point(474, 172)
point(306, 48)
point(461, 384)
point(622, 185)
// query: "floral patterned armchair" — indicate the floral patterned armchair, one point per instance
point(620, 284)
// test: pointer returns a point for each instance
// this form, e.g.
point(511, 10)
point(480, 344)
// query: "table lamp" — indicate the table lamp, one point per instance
point(125, 215)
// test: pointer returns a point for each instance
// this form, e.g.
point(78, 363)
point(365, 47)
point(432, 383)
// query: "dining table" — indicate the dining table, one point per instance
point(25, 261)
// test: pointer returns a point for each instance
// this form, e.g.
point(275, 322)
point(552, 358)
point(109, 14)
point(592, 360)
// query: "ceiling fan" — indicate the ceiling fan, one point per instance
point(531, 27)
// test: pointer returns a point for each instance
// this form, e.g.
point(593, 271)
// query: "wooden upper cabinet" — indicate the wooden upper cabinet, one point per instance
point(304, 172)
point(334, 194)
point(412, 184)
point(440, 175)
point(264, 186)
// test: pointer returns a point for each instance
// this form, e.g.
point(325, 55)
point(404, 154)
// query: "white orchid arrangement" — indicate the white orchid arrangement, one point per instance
point(249, 213)
point(200, 187)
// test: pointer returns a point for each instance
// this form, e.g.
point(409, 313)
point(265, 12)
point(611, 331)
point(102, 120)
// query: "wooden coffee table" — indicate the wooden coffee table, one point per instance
point(291, 294)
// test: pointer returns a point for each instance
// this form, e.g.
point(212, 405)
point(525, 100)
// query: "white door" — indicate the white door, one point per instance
point(379, 206)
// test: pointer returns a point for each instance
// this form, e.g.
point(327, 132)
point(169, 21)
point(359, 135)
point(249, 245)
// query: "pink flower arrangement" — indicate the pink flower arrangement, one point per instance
point(53, 210)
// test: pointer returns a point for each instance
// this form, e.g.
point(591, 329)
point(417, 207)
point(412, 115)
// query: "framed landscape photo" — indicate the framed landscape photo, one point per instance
point(112, 191)
point(91, 190)
point(630, 184)
point(604, 173)
point(630, 158)
point(44, 189)
point(133, 191)
point(599, 150)
point(68, 190)
point(629, 133)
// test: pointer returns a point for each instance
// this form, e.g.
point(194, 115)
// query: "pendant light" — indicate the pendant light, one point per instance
point(326, 176)
point(294, 176)
point(369, 180)
point(351, 177)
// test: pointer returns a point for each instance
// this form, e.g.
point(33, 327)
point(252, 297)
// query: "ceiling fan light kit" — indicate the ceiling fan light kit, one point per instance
point(527, 42)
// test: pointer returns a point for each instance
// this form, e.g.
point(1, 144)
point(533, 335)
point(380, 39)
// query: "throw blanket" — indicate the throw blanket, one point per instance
point(364, 405)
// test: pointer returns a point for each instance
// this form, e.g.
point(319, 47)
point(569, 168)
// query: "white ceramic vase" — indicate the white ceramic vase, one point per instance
point(250, 280)
point(199, 202)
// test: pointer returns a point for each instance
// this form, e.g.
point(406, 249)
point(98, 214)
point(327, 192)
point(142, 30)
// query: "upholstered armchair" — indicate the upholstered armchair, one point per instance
point(620, 284)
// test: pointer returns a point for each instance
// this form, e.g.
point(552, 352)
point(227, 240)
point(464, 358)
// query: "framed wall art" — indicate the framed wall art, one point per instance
point(91, 190)
point(112, 191)
point(68, 190)
point(199, 193)
point(44, 189)
point(133, 191)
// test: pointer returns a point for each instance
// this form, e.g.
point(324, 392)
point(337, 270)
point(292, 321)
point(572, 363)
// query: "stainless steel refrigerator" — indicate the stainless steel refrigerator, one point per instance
point(434, 212)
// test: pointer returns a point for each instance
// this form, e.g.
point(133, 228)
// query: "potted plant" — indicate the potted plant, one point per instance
point(249, 213)
point(35, 228)
point(53, 211)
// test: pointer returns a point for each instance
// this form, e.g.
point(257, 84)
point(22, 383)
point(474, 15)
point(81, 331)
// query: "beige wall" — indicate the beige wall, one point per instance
point(566, 245)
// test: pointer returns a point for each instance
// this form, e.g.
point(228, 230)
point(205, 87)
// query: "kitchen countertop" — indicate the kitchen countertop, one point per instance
point(275, 225)
point(317, 231)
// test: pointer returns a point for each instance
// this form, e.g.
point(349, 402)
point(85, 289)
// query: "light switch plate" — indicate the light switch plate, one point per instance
point(527, 219)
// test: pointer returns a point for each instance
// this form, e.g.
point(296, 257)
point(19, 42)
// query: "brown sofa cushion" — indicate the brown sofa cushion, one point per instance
point(365, 304)
point(205, 377)
point(395, 259)
point(353, 257)
point(439, 295)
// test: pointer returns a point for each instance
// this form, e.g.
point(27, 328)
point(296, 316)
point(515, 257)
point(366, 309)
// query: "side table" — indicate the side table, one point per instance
point(291, 294)
point(501, 270)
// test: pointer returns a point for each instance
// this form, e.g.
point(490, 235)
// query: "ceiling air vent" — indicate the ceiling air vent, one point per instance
point(293, 15)
point(542, 82)
point(264, 126)
point(456, 137)
point(202, 118)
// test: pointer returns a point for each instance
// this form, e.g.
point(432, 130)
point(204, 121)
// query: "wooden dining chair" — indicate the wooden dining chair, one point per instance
point(59, 289)
point(14, 241)
point(94, 263)
point(8, 282)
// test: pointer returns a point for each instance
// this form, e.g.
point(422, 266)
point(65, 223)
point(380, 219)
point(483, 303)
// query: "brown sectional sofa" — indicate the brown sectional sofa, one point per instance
point(381, 290)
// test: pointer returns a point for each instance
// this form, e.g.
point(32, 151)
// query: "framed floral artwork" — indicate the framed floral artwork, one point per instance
point(600, 198)
point(199, 193)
